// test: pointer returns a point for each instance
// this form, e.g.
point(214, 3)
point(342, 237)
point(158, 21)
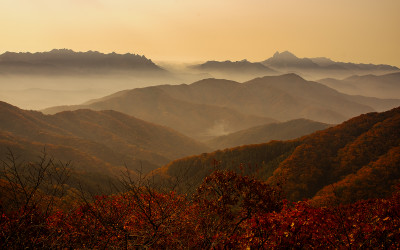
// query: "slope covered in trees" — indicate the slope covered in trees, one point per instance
point(265, 133)
point(244, 208)
point(357, 159)
point(95, 140)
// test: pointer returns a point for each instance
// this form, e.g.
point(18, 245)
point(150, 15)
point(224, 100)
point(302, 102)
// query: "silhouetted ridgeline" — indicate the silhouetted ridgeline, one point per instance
point(286, 62)
point(239, 70)
point(65, 61)
point(321, 67)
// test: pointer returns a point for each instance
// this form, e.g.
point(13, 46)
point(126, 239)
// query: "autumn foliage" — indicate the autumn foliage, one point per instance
point(358, 159)
point(228, 210)
point(350, 173)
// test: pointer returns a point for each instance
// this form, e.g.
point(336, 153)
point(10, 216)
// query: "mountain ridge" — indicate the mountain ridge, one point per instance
point(355, 160)
point(193, 119)
point(322, 67)
point(65, 61)
point(215, 104)
point(381, 86)
point(264, 133)
point(109, 136)
point(238, 70)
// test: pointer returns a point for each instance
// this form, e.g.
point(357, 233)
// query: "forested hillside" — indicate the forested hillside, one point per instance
point(265, 133)
point(357, 159)
point(96, 141)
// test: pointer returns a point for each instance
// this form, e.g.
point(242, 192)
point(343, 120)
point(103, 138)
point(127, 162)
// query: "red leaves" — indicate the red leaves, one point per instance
point(228, 210)
point(365, 224)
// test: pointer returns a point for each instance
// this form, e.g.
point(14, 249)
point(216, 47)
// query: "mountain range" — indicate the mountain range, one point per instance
point(215, 107)
point(149, 127)
point(67, 62)
point(238, 70)
point(67, 77)
point(96, 141)
point(289, 61)
point(101, 144)
point(358, 159)
point(286, 62)
point(312, 68)
point(382, 86)
point(201, 121)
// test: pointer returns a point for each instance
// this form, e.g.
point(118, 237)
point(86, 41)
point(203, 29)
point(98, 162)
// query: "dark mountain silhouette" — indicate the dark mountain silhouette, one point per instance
point(213, 107)
point(328, 63)
point(289, 60)
point(65, 61)
point(322, 67)
point(357, 159)
point(97, 141)
point(265, 133)
point(382, 86)
point(239, 70)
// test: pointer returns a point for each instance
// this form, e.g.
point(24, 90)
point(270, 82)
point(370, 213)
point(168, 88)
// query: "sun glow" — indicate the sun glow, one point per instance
point(358, 31)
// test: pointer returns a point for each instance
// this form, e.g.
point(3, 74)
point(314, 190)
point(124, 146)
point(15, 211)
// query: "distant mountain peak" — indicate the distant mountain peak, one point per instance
point(285, 77)
point(235, 67)
point(285, 55)
point(292, 76)
point(322, 67)
point(287, 59)
point(214, 81)
point(62, 51)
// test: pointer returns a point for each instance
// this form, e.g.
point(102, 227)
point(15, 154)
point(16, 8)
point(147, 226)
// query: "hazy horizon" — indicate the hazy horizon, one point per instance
point(359, 31)
point(177, 33)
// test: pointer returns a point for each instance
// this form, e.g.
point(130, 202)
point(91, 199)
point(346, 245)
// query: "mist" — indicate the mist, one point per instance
point(38, 92)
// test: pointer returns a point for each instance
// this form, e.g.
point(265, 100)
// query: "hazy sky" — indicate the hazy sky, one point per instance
point(344, 30)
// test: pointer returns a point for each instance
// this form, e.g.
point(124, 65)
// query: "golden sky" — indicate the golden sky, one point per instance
point(345, 30)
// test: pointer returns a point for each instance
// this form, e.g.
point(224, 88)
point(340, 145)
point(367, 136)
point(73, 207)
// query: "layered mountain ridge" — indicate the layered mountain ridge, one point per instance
point(286, 62)
point(99, 141)
point(382, 86)
point(264, 133)
point(358, 159)
point(215, 107)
